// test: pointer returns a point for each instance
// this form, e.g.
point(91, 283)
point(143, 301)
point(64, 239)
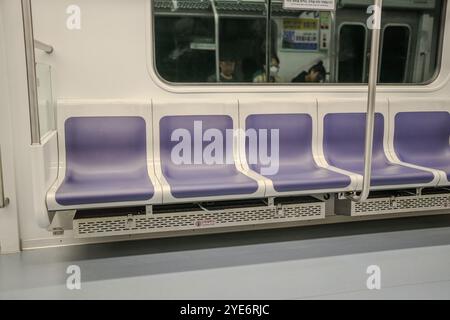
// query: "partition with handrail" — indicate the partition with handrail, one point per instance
point(30, 45)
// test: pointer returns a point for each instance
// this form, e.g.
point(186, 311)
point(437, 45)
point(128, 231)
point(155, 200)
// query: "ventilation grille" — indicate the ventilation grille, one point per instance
point(135, 224)
point(395, 205)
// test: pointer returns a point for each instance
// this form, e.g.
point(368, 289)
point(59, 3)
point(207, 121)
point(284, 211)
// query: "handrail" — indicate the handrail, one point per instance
point(268, 39)
point(216, 35)
point(333, 47)
point(3, 201)
point(43, 46)
point(31, 71)
point(371, 99)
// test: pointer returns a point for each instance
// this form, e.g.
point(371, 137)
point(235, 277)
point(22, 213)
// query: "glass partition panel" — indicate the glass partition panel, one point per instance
point(45, 99)
point(352, 53)
point(395, 54)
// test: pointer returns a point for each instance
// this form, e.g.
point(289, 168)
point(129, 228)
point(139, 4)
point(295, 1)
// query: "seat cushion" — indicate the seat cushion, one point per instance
point(313, 179)
point(104, 189)
point(394, 174)
point(222, 182)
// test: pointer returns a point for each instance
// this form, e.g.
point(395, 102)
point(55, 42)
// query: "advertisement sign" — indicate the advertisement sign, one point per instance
point(301, 34)
point(318, 5)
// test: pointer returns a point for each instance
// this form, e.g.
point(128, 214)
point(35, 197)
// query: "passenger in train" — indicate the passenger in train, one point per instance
point(179, 64)
point(261, 77)
point(227, 65)
point(316, 73)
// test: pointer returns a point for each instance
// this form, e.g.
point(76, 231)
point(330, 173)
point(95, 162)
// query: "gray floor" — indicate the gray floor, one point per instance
point(320, 262)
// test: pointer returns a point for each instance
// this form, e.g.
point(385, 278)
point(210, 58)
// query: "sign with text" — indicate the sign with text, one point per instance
point(325, 5)
point(301, 34)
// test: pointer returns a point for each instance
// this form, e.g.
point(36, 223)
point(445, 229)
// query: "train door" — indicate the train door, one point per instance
point(397, 46)
point(353, 38)
point(9, 237)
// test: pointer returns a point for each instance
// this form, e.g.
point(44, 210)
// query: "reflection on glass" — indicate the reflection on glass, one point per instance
point(395, 54)
point(205, 41)
point(242, 43)
point(185, 40)
point(303, 45)
point(45, 99)
point(352, 49)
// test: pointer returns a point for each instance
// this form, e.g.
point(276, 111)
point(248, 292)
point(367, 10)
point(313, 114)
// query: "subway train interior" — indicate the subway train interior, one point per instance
point(133, 121)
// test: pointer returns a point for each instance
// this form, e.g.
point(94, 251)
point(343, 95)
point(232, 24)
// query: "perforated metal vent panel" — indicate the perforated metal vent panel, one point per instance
point(123, 225)
point(394, 205)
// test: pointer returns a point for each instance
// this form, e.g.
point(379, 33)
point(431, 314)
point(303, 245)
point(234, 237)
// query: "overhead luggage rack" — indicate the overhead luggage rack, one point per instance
point(278, 10)
point(209, 215)
point(205, 7)
point(224, 7)
point(388, 202)
point(395, 4)
point(247, 6)
point(183, 7)
point(253, 6)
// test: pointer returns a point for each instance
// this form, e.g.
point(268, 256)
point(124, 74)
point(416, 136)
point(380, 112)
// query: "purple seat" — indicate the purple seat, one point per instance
point(343, 143)
point(422, 138)
point(297, 169)
point(190, 180)
point(106, 161)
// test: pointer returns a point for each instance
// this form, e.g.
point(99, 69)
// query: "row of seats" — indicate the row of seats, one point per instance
point(115, 153)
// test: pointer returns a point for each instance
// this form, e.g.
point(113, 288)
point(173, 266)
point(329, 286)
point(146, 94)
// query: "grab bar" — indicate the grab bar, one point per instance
point(216, 35)
point(43, 46)
point(268, 39)
point(31, 72)
point(333, 47)
point(370, 118)
point(3, 201)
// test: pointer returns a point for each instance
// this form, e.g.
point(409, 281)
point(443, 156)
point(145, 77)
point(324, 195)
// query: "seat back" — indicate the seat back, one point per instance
point(294, 140)
point(421, 136)
point(344, 140)
point(105, 146)
point(193, 145)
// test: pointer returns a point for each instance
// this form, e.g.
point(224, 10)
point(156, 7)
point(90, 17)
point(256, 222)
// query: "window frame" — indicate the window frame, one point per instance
point(433, 84)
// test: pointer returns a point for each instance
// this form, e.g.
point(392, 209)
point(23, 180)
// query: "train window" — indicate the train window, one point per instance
point(231, 41)
point(395, 53)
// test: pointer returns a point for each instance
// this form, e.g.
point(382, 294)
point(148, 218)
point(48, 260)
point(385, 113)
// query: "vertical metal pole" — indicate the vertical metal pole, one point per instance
point(31, 71)
point(268, 39)
point(371, 99)
point(3, 201)
point(217, 40)
point(333, 47)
